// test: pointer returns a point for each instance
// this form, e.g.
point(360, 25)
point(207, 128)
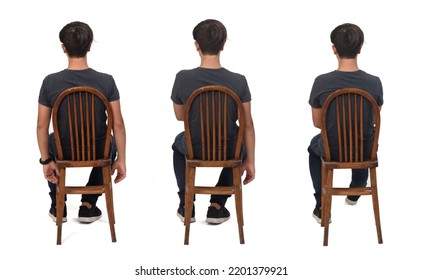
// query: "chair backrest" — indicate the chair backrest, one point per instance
point(80, 110)
point(350, 126)
point(210, 117)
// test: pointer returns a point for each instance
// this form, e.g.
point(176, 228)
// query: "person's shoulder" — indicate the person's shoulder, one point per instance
point(188, 72)
point(53, 77)
point(232, 72)
point(98, 73)
point(368, 75)
point(327, 75)
point(55, 74)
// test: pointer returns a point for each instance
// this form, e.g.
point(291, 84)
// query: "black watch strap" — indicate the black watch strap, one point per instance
point(47, 161)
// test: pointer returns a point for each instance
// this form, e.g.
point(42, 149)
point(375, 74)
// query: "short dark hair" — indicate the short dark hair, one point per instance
point(77, 38)
point(210, 35)
point(347, 39)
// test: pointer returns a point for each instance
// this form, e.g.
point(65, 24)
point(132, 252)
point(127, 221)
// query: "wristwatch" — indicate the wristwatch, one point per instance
point(47, 161)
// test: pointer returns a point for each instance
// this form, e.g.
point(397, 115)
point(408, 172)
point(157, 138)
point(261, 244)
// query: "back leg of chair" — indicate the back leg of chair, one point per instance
point(108, 190)
point(375, 200)
point(60, 204)
point(238, 202)
point(189, 200)
point(323, 195)
point(110, 210)
point(327, 206)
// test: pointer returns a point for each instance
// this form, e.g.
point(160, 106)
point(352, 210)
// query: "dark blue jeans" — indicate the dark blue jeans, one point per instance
point(179, 152)
point(96, 175)
point(358, 176)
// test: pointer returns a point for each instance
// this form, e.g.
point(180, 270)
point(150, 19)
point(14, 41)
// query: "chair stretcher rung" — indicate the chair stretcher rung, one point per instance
point(214, 190)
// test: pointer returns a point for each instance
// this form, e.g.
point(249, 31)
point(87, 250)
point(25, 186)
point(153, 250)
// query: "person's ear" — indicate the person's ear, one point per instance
point(334, 49)
point(359, 50)
point(64, 48)
point(197, 46)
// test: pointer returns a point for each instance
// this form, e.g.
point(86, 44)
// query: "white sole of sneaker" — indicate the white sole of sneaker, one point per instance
point(183, 219)
point(350, 202)
point(216, 221)
point(319, 221)
point(88, 220)
point(64, 220)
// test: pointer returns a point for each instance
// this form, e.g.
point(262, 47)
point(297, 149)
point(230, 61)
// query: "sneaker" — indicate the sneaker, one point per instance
point(52, 214)
point(317, 214)
point(216, 217)
point(88, 215)
point(181, 213)
point(351, 200)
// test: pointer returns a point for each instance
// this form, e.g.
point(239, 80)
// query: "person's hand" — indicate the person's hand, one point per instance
point(250, 170)
point(50, 171)
point(120, 166)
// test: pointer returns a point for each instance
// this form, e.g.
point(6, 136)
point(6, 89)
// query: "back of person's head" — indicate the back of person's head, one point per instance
point(77, 38)
point(210, 35)
point(347, 39)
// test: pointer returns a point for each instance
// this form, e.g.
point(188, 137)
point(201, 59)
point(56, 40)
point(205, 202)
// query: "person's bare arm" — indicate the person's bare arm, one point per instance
point(43, 122)
point(179, 111)
point(317, 117)
point(248, 165)
point(119, 133)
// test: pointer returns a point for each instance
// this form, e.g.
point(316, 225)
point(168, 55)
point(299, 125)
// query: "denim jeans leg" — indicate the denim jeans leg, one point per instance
point(225, 179)
point(96, 178)
point(358, 179)
point(179, 166)
point(315, 166)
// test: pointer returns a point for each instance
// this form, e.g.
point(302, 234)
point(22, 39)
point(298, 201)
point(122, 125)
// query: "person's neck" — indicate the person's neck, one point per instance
point(77, 63)
point(348, 65)
point(210, 62)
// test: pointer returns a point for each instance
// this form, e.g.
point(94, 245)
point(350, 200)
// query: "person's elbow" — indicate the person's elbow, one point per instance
point(317, 124)
point(179, 117)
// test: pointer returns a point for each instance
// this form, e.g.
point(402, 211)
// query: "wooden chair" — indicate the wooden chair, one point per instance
point(213, 103)
point(76, 106)
point(349, 107)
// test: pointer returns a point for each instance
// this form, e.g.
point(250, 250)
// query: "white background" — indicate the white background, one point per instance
point(280, 46)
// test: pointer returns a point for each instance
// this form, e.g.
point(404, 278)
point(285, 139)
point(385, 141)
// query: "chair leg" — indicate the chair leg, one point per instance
point(238, 203)
point(323, 195)
point(326, 208)
point(113, 219)
point(189, 200)
point(376, 204)
point(59, 218)
point(108, 191)
point(60, 205)
point(110, 210)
